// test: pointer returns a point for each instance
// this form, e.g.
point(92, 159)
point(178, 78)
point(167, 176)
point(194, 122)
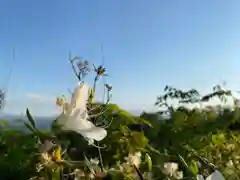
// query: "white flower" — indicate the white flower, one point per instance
point(170, 168)
point(45, 161)
point(134, 158)
point(216, 176)
point(94, 161)
point(45, 157)
point(75, 116)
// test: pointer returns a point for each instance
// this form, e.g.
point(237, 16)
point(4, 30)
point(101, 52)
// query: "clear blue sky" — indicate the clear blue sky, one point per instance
point(147, 44)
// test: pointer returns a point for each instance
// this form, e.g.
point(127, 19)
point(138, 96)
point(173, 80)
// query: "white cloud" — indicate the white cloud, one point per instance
point(38, 104)
point(41, 97)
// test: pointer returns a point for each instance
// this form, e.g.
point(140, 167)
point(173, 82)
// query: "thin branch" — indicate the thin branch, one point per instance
point(108, 125)
point(73, 67)
point(99, 114)
point(97, 107)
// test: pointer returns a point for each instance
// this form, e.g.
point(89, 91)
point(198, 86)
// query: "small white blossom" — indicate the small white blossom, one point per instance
point(45, 157)
point(134, 158)
point(171, 169)
point(94, 161)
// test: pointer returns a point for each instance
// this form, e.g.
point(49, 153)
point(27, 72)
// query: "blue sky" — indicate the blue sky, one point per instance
point(147, 44)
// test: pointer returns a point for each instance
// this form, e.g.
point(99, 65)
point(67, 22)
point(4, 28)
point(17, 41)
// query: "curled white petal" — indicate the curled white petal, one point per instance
point(178, 175)
point(75, 117)
point(200, 177)
point(95, 133)
point(216, 176)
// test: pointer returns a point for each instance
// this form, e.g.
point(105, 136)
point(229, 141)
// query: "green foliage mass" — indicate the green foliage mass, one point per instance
point(188, 132)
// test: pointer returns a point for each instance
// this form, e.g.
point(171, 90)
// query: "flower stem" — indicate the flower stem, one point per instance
point(99, 150)
point(138, 172)
point(100, 157)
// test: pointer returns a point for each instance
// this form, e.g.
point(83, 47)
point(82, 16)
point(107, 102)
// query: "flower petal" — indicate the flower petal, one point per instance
point(200, 177)
point(170, 168)
point(216, 176)
point(76, 118)
point(62, 120)
point(95, 133)
point(80, 96)
point(81, 125)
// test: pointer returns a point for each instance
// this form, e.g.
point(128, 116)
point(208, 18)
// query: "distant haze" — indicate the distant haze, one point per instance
point(43, 123)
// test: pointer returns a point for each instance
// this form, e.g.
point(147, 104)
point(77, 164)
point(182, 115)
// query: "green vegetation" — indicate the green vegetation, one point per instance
point(181, 135)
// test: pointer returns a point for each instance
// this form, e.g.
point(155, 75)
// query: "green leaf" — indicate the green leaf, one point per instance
point(194, 167)
point(188, 173)
point(182, 161)
point(147, 123)
point(56, 173)
point(148, 161)
point(4, 122)
point(29, 127)
point(150, 148)
point(30, 118)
